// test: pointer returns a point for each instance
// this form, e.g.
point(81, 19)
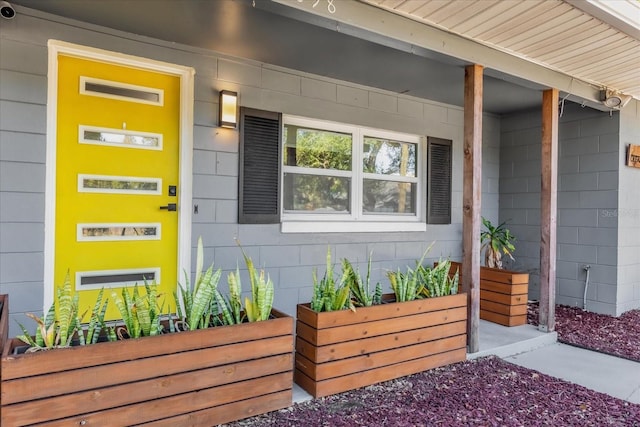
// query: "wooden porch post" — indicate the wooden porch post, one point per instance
point(549, 206)
point(471, 199)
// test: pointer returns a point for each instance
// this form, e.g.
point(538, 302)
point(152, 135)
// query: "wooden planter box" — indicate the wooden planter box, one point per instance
point(344, 350)
point(197, 378)
point(4, 320)
point(503, 295)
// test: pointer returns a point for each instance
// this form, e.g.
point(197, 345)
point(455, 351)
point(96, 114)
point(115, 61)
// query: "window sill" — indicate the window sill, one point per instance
point(350, 227)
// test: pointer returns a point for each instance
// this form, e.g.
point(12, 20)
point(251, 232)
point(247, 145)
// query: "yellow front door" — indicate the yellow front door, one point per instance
point(117, 170)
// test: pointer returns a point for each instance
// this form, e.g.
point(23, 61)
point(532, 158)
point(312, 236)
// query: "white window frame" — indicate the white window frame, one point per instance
point(356, 220)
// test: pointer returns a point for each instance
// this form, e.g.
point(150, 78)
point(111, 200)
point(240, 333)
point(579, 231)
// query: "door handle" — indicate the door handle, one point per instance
point(171, 207)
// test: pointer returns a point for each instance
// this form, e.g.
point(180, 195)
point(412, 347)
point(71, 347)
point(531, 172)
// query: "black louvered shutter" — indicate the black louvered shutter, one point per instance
point(259, 174)
point(439, 181)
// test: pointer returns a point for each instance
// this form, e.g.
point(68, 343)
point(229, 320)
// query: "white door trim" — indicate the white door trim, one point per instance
point(186, 75)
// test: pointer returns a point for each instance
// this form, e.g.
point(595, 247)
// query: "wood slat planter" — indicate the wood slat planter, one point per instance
point(4, 320)
point(198, 378)
point(503, 295)
point(344, 350)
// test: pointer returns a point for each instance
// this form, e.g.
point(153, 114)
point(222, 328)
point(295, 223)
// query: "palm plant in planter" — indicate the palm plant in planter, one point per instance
point(496, 240)
point(341, 350)
point(199, 377)
point(503, 293)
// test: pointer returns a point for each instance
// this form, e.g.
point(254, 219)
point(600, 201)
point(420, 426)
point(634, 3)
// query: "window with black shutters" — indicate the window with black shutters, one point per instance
point(439, 155)
point(259, 177)
point(317, 176)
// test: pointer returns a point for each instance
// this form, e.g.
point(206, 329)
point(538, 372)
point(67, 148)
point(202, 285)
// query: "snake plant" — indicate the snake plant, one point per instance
point(63, 322)
point(231, 306)
point(199, 303)
point(361, 293)
point(140, 312)
point(409, 286)
point(255, 309)
point(96, 323)
point(259, 306)
point(405, 286)
point(437, 281)
point(329, 295)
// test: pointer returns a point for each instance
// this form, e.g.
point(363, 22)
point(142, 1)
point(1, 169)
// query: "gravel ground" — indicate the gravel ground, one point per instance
point(618, 336)
point(482, 392)
point(486, 391)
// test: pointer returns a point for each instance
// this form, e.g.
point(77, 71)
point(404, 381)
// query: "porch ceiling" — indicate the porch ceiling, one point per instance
point(590, 40)
point(275, 32)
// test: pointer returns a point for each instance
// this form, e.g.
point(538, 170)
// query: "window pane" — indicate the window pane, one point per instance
point(386, 157)
point(102, 232)
point(92, 184)
point(123, 138)
point(314, 148)
point(388, 197)
point(317, 194)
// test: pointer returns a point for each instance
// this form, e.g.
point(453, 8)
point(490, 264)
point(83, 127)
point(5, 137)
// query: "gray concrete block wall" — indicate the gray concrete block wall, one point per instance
point(628, 214)
point(288, 258)
point(23, 96)
point(587, 230)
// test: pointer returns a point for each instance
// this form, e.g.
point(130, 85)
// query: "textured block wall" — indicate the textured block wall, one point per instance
point(628, 214)
point(288, 258)
point(587, 233)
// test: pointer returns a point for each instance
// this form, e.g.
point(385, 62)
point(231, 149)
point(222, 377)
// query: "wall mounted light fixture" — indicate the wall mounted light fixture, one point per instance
point(614, 99)
point(228, 108)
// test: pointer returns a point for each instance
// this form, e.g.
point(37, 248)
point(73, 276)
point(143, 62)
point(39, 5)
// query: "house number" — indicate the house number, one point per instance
point(330, 6)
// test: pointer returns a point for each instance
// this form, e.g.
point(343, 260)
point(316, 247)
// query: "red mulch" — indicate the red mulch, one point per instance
point(482, 392)
point(618, 336)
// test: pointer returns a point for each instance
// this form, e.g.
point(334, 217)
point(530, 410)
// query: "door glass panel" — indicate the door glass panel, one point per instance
point(121, 138)
point(118, 184)
point(121, 91)
point(116, 278)
point(115, 232)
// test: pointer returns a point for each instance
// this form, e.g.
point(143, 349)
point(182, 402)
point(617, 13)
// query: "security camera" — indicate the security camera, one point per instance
point(6, 10)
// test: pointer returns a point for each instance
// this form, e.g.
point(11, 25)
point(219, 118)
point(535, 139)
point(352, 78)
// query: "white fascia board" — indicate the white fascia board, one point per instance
point(378, 21)
point(623, 15)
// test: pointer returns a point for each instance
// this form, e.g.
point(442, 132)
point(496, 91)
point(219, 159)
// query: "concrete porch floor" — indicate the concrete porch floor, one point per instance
point(503, 341)
point(495, 339)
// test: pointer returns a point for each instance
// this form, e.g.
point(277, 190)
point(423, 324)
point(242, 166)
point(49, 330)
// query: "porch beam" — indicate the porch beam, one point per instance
point(549, 207)
point(471, 199)
point(370, 22)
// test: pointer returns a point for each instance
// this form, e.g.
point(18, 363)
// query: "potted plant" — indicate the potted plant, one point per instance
point(496, 240)
point(202, 376)
point(366, 339)
point(503, 293)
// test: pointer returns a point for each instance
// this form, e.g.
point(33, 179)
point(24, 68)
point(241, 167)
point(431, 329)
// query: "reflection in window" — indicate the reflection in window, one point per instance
point(122, 92)
point(317, 194)
point(385, 157)
point(114, 232)
point(349, 172)
point(115, 184)
point(317, 149)
point(388, 197)
point(120, 138)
